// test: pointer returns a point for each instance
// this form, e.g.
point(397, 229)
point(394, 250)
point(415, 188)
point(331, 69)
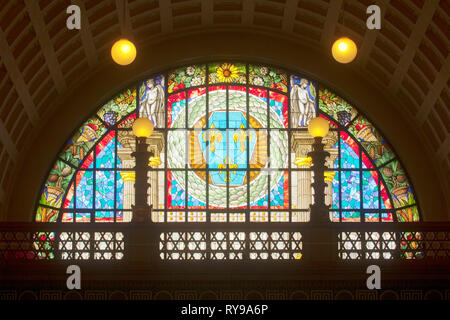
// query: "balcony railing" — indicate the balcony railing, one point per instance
point(158, 243)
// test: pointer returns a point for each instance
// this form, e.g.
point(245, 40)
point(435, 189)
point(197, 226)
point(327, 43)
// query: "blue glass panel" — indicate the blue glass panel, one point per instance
point(262, 202)
point(104, 190)
point(335, 195)
point(85, 190)
point(372, 217)
point(277, 193)
point(233, 140)
point(351, 194)
point(83, 217)
point(351, 216)
point(106, 157)
point(192, 202)
point(349, 158)
point(277, 106)
point(370, 190)
point(177, 107)
point(119, 192)
point(335, 216)
point(178, 195)
point(104, 216)
point(261, 191)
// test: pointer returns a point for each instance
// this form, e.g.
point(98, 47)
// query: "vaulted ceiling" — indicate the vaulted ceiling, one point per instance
point(40, 59)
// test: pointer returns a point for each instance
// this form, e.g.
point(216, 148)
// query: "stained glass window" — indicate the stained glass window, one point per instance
point(230, 145)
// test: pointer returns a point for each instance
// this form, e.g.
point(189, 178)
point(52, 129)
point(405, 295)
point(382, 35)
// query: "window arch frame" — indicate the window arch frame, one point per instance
point(289, 130)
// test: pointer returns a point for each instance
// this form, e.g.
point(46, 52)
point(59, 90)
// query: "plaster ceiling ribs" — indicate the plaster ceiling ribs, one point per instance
point(413, 42)
point(334, 11)
point(86, 36)
point(289, 15)
point(370, 37)
point(17, 78)
point(37, 21)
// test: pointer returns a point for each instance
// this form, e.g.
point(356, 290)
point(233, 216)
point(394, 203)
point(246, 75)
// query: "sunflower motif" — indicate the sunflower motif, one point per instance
point(227, 73)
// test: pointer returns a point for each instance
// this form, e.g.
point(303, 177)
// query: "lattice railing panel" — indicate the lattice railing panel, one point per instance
point(227, 245)
point(25, 245)
point(230, 245)
point(391, 245)
point(420, 245)
point(109, 245)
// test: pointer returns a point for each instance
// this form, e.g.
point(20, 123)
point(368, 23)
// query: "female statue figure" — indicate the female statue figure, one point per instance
point(302, 105)
point(153, 103)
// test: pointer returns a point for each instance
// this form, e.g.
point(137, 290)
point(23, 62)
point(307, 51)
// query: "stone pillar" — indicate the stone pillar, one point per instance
point(128, 141)
point(301, 145)
point(329, 141)
point(156, 146)
point(128, 177)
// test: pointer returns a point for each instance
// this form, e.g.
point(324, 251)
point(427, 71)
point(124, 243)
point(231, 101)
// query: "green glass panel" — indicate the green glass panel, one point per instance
point(118, 108)
point(86, 137)
point(376, 146)
point(186, 77)
point(398, 185)
point(336, 107)
point(272, 78)
point(227, 73)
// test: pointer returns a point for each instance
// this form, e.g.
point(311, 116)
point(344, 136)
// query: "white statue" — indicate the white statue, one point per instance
point(302, 108)
point(153, 103)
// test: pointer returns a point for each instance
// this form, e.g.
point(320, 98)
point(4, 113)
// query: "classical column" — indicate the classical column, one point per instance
point(156, 146)
point(141, 209)
point(301, 145)
point(329, 141)
point(319, 211)
point(128, 177)
point(128, 141)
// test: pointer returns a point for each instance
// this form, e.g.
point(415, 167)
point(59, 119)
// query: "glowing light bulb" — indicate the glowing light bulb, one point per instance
point(123, 52)
point(343, 46)
point(344, 50)
point(142, 127)
point(125, 48)
point(318, 127)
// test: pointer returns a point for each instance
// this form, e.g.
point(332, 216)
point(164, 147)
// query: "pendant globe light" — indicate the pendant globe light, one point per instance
point(123, 51)
point(344, 50)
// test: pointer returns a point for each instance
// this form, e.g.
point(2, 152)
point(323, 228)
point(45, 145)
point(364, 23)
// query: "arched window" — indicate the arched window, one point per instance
point(230, 145)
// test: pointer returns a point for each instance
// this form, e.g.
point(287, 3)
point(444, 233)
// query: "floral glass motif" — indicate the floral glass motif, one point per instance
point(227, 73)
point(119, 107)
point(260, 75)
point(376, 146)
point(401, 191)
point(336, 107)
point(191, 76)
point(227, 148)
point(85, 138)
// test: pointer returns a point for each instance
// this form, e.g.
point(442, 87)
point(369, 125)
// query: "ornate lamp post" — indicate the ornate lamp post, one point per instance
point(318, 128)
point(142, 129)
